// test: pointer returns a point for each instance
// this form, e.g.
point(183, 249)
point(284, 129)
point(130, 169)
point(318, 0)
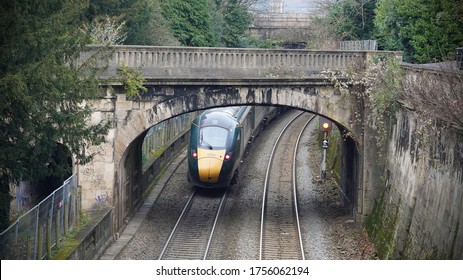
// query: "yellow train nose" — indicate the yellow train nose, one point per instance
point(209, 165)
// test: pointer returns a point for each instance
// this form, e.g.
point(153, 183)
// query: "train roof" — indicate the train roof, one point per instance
point(232, 110)
point(224, 117)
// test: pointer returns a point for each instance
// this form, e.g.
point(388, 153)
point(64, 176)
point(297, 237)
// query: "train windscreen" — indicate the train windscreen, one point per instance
point(213, 138)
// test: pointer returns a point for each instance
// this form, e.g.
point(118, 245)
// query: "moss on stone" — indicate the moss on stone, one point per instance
point(381, 225)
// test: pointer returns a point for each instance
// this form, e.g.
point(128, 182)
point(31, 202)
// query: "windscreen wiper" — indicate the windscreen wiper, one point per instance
point(209, 146)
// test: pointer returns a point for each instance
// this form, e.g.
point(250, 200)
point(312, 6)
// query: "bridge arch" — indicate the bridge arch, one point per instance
point(136, 117)
point(324, 101)
point(182, 79)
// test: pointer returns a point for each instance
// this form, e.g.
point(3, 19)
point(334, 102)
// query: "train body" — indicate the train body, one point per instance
point(218, 140)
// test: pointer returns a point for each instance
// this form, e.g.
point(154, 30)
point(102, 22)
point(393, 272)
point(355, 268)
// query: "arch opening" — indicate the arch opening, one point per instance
point(137, 167)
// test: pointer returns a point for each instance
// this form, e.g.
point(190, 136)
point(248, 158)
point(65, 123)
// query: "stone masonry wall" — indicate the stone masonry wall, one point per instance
point(419, 214)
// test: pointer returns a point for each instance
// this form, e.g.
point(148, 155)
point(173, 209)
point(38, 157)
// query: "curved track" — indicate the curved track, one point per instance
point(280, 234)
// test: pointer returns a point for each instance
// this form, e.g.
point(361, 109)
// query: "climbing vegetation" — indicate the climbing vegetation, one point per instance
point(132, 80)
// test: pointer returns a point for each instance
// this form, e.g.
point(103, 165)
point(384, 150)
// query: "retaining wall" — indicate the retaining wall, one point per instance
point(89, 242)
point(419, 214)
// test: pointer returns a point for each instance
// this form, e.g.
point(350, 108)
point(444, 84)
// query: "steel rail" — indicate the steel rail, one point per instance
point(185, 208)
point(267, 175)
point(295, 186)
point(183, 218)
point(219, 211)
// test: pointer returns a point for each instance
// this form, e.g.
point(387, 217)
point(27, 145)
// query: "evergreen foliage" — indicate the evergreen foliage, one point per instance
point(191, 21)
point(144, 22)
point(236, 23)
point(43, 88)
point(199, 23)
point(426, 30)
point(208, 23)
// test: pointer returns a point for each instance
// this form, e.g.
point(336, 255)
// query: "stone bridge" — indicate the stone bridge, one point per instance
point(182, 80)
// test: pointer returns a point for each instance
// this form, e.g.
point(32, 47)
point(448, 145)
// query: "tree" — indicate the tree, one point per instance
point(159, 29)
point(191, 21)
point(139, 15)
point(236, 24)
point(351, 19)
point(106, 30)
point(43, 89)
point(144, 22)
point(426, 30)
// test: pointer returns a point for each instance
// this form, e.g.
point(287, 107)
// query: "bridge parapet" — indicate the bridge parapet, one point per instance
point(225, 63)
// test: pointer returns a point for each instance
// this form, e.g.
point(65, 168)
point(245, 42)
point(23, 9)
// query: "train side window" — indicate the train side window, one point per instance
point(238, 143)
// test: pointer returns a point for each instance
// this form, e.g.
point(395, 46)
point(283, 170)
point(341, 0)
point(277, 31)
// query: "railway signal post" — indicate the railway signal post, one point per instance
point(325, 127)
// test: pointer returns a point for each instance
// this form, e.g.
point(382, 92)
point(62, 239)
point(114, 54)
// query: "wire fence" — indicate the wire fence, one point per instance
point(37, 232)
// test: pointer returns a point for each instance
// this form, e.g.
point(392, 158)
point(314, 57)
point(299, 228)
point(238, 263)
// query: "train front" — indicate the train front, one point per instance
point(210, 158)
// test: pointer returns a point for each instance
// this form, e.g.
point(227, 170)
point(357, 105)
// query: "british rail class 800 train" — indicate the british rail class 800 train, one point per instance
point(218, 139)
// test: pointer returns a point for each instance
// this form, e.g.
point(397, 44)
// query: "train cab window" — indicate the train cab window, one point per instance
point(213, 137)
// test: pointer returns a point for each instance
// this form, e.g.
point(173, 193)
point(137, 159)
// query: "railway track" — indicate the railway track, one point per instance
point(280, 234)
point(192, 234)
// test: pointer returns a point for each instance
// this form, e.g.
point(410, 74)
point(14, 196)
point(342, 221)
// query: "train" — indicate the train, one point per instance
point(218, 141)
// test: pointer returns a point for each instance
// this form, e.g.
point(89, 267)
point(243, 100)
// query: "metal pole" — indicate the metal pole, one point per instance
point(323, 164)
point(48, 233)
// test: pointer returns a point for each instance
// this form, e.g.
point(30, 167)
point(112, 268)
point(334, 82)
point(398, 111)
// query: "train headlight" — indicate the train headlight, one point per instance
point(194, 154)
point(228, 156)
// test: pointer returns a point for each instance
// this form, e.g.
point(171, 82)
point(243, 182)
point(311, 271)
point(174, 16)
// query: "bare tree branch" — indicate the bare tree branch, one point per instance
point(436, 94)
